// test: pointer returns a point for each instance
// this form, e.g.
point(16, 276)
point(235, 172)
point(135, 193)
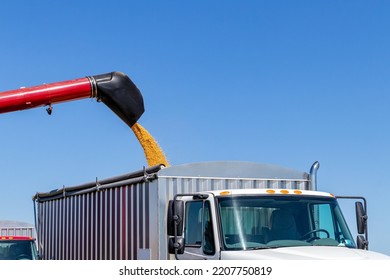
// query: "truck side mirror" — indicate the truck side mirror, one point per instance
point(362, 243)
point(361, 217)
point(175, 217)
point(179, 245)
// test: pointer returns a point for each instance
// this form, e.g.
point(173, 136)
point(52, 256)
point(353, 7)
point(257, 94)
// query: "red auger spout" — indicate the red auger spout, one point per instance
point(114, 89)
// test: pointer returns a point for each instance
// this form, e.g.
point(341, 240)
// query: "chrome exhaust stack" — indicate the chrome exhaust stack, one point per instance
point(313, 176)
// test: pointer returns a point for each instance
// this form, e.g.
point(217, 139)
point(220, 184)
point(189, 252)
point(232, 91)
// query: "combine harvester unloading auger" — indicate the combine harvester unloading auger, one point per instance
point(114, 89)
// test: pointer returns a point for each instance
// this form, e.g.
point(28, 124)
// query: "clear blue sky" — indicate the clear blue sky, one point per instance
point(281, 82)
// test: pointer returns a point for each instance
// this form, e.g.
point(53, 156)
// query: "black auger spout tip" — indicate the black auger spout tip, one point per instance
point(120, 94)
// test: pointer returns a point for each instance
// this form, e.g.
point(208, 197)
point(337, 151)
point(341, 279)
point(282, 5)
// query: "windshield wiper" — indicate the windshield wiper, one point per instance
point(259, 247)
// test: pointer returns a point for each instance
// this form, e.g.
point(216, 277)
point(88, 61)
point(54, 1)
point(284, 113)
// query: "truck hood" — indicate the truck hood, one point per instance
point(303, 253)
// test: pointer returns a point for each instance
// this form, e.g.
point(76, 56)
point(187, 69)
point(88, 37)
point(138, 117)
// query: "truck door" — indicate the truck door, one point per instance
point(200, 238)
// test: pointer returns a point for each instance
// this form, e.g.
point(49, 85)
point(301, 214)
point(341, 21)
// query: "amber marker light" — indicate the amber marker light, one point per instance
point(224, 193)
point(270, 191)
point(284, 191)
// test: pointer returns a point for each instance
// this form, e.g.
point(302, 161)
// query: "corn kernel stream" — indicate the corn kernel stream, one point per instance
point(153, 153)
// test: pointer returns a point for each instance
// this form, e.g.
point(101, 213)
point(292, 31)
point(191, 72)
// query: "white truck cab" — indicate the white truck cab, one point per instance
point(264, 224)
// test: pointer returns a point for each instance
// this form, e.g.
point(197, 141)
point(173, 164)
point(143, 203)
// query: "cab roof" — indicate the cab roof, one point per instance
point(265, 192)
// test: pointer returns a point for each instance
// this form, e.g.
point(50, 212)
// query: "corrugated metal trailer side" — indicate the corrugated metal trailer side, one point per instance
point(125, 217)
point(103, 220)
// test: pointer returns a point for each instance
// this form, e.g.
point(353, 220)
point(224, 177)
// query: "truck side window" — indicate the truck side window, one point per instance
point(193, 223)
point(323, 220)
point(198, 226)
point(208, 245)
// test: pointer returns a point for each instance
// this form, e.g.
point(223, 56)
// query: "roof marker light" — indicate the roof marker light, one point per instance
point(224, 193)
point(270, 191)
point(284, 191)
point(298, 192)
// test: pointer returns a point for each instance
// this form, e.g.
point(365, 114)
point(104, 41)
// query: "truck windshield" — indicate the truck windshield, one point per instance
point(256, 222)
point(17, 250)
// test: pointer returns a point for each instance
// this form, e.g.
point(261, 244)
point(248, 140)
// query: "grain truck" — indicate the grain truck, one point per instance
point(17, 241)
point(207, 210)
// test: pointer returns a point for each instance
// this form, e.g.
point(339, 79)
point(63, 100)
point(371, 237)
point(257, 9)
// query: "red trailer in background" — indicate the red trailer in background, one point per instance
point(17, 241)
